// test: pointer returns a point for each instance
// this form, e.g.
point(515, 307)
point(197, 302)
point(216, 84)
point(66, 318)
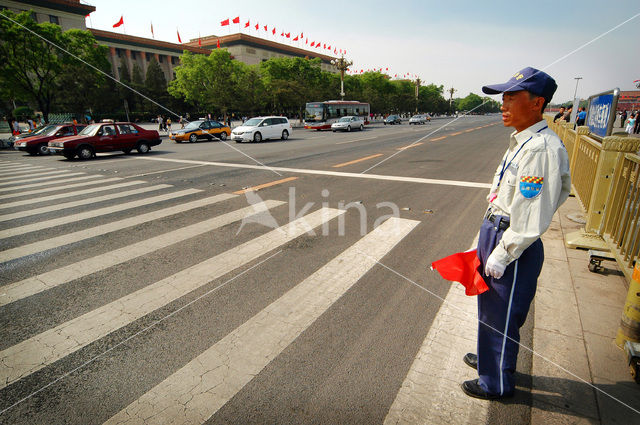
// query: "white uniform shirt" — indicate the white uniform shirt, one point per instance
point(534, 185)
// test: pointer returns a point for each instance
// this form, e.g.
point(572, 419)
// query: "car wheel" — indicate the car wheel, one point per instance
point(193, 138)
point(333, 131)
point(85, 152)
point(257, 137)
point(69, 155)
point(32, 153)
point(223, 136)
point(385, 123)
point(43, 149)
point(285, 134)
point(126, 151)
point(143, 147)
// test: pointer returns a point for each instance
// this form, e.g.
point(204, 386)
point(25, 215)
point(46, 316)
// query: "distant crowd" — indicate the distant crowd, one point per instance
point(628, 121)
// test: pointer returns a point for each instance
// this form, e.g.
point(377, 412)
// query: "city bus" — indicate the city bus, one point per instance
point(320, 115)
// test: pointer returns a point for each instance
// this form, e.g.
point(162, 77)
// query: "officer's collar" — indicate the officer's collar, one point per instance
point(524, 135)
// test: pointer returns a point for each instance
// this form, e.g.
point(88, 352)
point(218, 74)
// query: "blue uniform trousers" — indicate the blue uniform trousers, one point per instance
point(502, 310)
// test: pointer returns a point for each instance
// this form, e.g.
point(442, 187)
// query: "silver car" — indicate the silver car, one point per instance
point(348, 123)
point(419, 119)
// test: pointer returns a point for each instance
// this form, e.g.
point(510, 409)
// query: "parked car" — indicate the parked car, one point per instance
point(392, 119)
point(348, 123)
point(106, 137)
point(38, 142)
point(201, 129)
point(262, 128)
point(419, 119)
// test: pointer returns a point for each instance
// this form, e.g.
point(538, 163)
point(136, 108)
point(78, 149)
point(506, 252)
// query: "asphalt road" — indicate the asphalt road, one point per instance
point(141, 286)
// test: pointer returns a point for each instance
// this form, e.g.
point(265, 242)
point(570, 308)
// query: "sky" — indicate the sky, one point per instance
point(462, 44)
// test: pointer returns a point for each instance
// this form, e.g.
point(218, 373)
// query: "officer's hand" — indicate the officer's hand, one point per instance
point(494, 268)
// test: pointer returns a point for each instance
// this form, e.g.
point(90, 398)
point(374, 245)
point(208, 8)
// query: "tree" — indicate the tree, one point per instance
point(155, 86)
point(469, 103)
point(33, 69)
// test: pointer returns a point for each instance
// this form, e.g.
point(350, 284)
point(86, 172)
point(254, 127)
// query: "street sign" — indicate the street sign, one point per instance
point(601, 112)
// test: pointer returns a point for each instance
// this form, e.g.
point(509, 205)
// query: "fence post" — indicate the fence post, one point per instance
point(591, 236)
point(629, 329)
point(580, 131)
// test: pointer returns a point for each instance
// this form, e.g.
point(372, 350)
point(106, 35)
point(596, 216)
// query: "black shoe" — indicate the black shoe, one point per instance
point(473, 389)
point(471, 360)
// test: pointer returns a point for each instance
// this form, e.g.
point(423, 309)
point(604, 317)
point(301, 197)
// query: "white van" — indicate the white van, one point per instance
point(262, 128)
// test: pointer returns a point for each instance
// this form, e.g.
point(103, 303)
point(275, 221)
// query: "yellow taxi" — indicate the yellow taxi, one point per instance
point(201, 129)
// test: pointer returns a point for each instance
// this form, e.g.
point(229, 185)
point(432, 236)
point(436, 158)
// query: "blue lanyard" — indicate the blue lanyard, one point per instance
point(506, 164)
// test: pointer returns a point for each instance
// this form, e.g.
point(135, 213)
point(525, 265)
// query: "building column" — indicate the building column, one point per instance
point(143, 56)
point(129, 63)
point(114, 62)
point(170, 68)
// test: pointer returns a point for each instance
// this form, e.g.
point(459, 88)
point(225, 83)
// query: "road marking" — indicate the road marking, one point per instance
point(409, 146)
point(51, 182)
point(262, 186)
point(437, 138)
point(329, 173)
point(456, 133)
point(49, 346)
point(73, 218)
point(21, 167)
point(12, 182)
point(355, 161)
point(26, 171)
point(71, 204)
point(164, 171)
point(59, 241)
point(200, 388)
point(469, 130)
point(66, 194)
point(357, 140)
point(42, 282)
point(24, 176)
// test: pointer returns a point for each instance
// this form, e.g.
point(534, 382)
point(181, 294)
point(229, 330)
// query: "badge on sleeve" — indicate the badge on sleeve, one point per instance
point(531, 186)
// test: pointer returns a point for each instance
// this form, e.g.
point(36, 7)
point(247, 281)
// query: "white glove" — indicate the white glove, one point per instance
point(494, 268)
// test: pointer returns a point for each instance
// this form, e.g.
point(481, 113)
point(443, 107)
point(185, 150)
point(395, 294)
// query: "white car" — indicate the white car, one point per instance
point(348, 123)
point(262, 128)
point(419, 119)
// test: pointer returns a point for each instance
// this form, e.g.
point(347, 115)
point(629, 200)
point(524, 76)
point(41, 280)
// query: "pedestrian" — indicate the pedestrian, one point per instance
point(559, 114)
point(168, 125)
point(582, 116)
point(39, 121)
point(567, 115)
point(181, 121)
point(159, 122)
point(636, 129)
point(530, 183)
point(32, 124)
point(16, 128)
point(631, 123)
point(623, 118)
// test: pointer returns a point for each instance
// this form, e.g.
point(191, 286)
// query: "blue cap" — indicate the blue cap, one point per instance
point(529, 79)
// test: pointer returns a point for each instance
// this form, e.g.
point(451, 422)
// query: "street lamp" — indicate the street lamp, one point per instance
point(342, 64)
point(418, 81)
point(577, 81)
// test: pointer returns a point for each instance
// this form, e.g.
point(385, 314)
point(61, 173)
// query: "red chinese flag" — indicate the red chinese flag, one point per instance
point(87, 15)
point(462, 267)
point(236, 20)
point(247, 24)
point(120, 22)
point(306, 41)
point(296, 39)
point(179, 40)
point(199, 42)
point(257, 27)
point(218, 44)
point(313, 43)
point(265, 28)
point(301, 35)
point(224, 23)
point(282, 34)
point(334, 51)
point(273, 31)
point(288, 35)
point(324, 45)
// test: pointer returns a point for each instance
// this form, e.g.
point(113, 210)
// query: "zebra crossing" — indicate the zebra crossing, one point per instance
point(205, 383)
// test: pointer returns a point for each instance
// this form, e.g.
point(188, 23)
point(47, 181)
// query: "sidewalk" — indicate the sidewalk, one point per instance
point(577, 314)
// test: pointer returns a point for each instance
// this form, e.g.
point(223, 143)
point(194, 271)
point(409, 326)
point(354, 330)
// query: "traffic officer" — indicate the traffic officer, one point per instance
point(530, 183)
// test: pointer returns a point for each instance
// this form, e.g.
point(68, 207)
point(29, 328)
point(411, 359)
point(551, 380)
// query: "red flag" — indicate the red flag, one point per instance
point(247, 24)
point(288, 35)
point(225, 22)
point(236, 20)
point(257, 27)
point(295, 39)
point(265, 27)
point(178, 32)
point(334, 51)
point(282, 34)
point(324, 45)
point(120, 22)
point(199, 42)
point(273, 31)
point(386, 69)
point(152, 34)
point(218, 44)
point(313, 43)
point(306, 41)
point(462, 267)
point(87, 15)
point(301, 35)
point(328, 47)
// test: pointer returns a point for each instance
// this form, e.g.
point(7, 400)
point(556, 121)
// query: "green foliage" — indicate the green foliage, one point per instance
point(36, 71)
point(21, 113)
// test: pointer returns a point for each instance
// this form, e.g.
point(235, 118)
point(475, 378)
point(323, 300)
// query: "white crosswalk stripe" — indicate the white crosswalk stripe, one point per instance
point(27, 176)
point(59, 241)
point(66, 219)
point(41, 350)
point(20, 167)
point(71, 204)
point(49, 183)
point(214, 377)
point(42, 282)
point(24, 171)
point(17, 182)
point(36, 200)
point(57, 188)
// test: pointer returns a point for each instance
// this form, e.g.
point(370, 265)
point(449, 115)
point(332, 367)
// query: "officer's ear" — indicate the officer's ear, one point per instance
point(537, 102)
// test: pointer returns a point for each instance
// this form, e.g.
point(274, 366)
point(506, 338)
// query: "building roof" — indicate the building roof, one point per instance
point(211, 41)
point(130, 40)
point(71, 6)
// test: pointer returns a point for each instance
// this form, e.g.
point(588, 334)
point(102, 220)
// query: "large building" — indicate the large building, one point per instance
point(629, 101)
point(139, 50)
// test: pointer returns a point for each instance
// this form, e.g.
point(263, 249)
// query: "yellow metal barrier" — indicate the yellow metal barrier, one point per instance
point(629, 329)
point(584, 163)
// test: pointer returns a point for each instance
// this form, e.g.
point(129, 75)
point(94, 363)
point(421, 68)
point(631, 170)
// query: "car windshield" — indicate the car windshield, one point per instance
point(345, 119)
point(90, 130)
point(47, 130)
point(192, 125)
point(252, 122)
point(313, 113)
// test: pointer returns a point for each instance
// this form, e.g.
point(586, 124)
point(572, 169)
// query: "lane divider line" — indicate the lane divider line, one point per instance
point(262, 186)
point(409, 146)
point(438, 138)
point(355, 161)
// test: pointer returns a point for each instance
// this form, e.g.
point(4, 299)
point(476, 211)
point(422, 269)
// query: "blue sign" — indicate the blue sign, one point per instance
point(602, 113)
